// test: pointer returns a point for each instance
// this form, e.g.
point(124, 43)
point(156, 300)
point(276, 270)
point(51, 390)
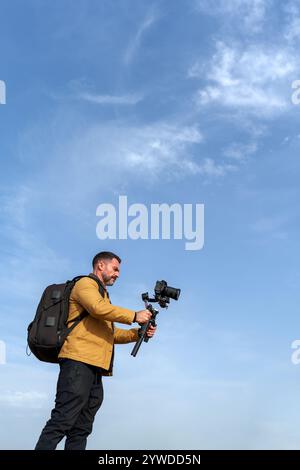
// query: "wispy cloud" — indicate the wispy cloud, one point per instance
point(292, 21)
point(210, 168)
point(272, 226)
point(29, 258)
point(130, 99)
point(21, 399)
point(13, 207)
point(135, 43)
point(155, 147)
point(239, 151)
point(126, 150)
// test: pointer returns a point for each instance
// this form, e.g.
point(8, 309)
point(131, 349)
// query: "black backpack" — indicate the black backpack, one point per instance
point(49, 329)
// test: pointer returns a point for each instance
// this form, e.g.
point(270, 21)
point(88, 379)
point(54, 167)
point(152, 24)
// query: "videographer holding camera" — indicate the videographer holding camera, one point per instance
point(87, 354)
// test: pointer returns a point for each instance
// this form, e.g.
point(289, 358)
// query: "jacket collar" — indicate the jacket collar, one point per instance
point(96, 278)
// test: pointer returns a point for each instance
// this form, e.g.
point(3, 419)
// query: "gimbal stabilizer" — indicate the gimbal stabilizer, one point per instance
point(162, 295)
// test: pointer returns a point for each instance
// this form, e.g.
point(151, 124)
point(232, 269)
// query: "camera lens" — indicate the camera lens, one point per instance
point(172, 292)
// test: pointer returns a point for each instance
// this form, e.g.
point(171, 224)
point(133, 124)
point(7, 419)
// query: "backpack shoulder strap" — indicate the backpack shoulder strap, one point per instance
point(84, 314)
point(101, 287)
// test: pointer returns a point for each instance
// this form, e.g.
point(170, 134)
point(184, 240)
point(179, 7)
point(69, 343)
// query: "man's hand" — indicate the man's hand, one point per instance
point(151, 330)
point(142, 316)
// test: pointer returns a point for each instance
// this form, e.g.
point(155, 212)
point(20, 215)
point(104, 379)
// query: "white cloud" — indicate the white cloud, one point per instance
point(99, 158)
point(145, 150)
point(212, 169)
point(135, 43)
point(292, 23)
point(130, 99)
point(249, 14)
point(131, 150)
point(252, 78)
point(269, 224)
point(156, 147)
point(20, 399)
point(238, 151)
point(272, 226)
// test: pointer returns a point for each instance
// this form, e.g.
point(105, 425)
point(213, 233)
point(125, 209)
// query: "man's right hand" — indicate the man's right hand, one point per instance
point(142, 316)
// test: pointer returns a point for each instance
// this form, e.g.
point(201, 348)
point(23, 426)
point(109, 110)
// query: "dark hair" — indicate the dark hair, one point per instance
point(104, 255)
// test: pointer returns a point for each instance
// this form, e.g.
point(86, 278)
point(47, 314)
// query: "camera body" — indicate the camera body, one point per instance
point(162, 294)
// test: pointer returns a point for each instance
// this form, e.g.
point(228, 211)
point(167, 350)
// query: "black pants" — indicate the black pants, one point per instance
point(79, 395)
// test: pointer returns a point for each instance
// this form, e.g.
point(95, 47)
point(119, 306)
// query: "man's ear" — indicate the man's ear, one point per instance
point(101, 265)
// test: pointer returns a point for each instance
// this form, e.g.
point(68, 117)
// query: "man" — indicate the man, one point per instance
point(87, 355)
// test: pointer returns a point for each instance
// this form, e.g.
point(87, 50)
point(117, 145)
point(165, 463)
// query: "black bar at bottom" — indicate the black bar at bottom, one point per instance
point(133, 458)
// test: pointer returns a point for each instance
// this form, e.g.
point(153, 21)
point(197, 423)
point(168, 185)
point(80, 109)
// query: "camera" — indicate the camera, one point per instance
point(162, 294)
point(162, 289)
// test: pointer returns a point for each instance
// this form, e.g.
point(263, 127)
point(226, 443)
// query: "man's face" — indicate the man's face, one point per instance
point(110, 270)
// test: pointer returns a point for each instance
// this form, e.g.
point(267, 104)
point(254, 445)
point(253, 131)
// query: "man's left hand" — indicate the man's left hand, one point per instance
point(151, 330)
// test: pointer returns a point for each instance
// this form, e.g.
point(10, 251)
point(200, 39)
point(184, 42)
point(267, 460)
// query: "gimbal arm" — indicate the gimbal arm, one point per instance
point(143, 330)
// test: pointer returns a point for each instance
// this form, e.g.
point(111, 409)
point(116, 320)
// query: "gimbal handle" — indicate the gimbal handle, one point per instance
point(144, 328)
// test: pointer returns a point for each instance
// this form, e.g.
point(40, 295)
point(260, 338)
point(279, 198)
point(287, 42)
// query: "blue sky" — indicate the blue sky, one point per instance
point(165, 102)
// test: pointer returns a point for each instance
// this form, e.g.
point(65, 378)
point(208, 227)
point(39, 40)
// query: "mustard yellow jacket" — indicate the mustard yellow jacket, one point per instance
point(92, 340)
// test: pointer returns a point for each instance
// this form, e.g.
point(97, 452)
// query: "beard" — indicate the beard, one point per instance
point(108, 280)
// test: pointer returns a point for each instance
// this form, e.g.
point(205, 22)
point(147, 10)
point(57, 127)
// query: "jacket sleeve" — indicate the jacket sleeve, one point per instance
point(122, 336)
point(86, 293)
